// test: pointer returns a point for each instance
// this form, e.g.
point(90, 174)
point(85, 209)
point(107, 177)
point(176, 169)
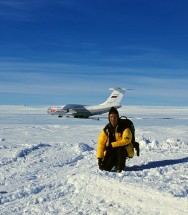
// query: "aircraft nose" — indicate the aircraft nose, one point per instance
point(51, 110)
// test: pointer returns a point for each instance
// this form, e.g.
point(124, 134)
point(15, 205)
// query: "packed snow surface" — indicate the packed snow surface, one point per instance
point(48, 164)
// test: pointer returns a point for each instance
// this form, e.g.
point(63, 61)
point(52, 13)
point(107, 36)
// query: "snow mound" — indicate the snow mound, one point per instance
point(83, 147)
point(26, 151)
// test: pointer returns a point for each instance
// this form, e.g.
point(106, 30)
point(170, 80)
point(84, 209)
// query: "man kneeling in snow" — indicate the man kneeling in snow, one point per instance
point(114, 144)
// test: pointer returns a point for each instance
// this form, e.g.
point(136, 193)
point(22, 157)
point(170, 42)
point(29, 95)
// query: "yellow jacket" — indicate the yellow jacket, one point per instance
point(122, 139)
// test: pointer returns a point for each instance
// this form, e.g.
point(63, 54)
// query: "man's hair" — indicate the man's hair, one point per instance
point(113, 110)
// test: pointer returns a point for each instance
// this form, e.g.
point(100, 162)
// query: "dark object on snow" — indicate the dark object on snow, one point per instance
point(3, 192)
point(137, 148)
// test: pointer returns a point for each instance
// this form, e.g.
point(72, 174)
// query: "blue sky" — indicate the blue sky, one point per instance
point(73, 51)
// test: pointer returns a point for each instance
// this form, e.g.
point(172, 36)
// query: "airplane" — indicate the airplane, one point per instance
point(85, 111)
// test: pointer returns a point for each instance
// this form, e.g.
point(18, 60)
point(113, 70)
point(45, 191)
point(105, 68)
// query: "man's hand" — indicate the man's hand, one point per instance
point(100, 163)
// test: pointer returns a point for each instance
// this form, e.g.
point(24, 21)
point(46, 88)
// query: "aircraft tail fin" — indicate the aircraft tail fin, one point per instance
point(115, 97)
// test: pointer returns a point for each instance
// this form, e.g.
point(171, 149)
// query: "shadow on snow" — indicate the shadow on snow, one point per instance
point(156, 164)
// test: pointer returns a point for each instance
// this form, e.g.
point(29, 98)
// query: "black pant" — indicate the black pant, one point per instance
point(115, 157)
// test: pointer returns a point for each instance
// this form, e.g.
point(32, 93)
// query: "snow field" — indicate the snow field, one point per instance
point(48, 166)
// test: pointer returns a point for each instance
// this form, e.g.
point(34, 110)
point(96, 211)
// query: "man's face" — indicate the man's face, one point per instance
point(113, 119)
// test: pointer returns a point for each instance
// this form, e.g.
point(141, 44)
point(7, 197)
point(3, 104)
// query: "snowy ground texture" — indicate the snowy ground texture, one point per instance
point(48, 164)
